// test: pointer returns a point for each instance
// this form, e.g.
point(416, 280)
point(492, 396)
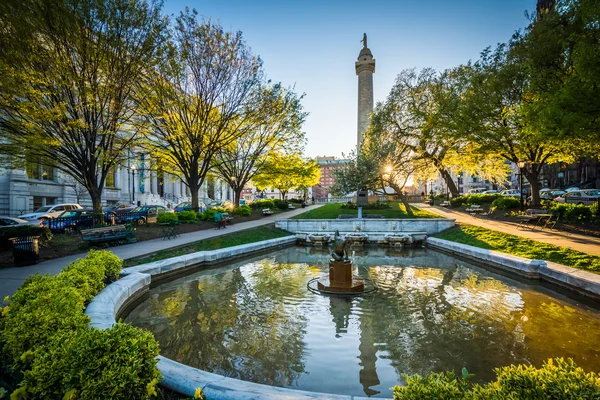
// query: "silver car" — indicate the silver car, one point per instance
point(51, 211)
point(582, 197)
point(7, 222)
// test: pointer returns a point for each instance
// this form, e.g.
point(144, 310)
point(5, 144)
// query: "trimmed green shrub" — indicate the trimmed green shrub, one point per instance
point(263, 203)
point(23, 230)
point(119, 363)
point(209, 215)
point(557, 379)
point(378, 205)
point(506, 202)
point(243, 211)
point(296, 201)
point(44, 334)
point(187, 216)
point(281, 204)
point(572, 212)
point(481, 198)
point(167, 218)
point(458, 201)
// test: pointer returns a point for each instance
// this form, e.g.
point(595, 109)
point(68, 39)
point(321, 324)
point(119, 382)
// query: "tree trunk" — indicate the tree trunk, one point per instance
point(237, 192)
point(406, 204)
point(450, 183)
point(532, 177)
point(195, 200)
point(96, 196)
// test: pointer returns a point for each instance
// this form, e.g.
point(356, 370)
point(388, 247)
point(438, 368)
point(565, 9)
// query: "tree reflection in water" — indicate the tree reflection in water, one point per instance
point(257, 321)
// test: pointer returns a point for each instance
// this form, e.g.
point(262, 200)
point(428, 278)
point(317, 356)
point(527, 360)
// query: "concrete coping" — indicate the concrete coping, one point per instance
point(582, 282)
point(105, 307)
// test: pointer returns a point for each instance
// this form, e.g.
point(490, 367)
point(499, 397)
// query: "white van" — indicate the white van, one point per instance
point(476, 191)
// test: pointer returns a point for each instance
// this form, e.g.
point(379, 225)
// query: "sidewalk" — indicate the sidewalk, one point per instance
point(582, 243)
point(12, 278)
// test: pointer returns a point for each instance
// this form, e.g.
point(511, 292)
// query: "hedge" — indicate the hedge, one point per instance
point(243, 211)
point(557, 379)
point(167, 218)
point(573, 212)
point(44, 336)
point(281, 204)
point(188, 216)
point(263, 203)
point(506, 202)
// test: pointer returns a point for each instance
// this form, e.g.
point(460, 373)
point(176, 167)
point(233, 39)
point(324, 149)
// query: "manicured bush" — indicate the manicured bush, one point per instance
point(458, 201)
point(556, 379)
point(506, 203)
point(187, 216)
point(263, 203)
point(243, 211)
point(24, 230)
point(378, 205)
point(281, 204)
point(167, 218)
point(44, 335)
point(209, 215)
point(572, 212)
point(296, 201)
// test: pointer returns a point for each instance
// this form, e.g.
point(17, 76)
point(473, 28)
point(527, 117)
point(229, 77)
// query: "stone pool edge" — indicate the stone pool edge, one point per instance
point(135, 282)
point(582, 282)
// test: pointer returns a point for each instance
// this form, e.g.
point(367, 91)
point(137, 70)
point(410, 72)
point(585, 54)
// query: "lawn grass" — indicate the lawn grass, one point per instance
point(518, 246)
point(257, 234)
point(331, 211)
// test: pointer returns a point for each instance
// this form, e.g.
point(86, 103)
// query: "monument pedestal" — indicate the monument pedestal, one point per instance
point(341, 279)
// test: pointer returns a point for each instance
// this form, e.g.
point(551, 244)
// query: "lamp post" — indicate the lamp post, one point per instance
point(521, 165)
point(132, 183)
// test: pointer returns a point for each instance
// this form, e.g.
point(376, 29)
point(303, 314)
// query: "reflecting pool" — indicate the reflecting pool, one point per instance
point(255, 320)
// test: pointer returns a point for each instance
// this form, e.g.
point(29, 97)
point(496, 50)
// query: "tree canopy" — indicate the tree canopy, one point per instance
point(287, 171)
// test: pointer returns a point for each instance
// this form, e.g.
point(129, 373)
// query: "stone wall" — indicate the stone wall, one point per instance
point(429, 226)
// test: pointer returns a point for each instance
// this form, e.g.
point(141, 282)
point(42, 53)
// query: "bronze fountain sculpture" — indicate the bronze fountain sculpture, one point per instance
point(340, 278)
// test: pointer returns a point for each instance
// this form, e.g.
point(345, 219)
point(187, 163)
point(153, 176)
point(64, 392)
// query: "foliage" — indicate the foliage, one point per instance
point(572, 212)
point(515, 245)
point(458, 201)
point(209, 214)
point(556, 379)
point(252, 235)
point(333, 210)
point(168, 218)
point(66, 89)
point(188, 216)
point(481, 198)
point(202, 98)
point(24, 230)
point(286, 172)
point(276, 128)
point(243, 211)
point(44, 334)
point(506, 202)
point(262, 203)
point(281, 204)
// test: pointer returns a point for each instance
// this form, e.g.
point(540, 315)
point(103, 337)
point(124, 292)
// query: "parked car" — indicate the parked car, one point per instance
point(6, 222)
point(550, 194)
point(221, 203)
point(511, 192)
point(142, 215)
point(71, 221)
point(187, 206)
point(585, 197)
point(51, 211)
point(110, 212)
point(491, 191)
point(476, 191)
point(571, 189)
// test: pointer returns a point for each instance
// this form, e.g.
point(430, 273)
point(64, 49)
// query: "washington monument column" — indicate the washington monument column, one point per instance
point(365, 68)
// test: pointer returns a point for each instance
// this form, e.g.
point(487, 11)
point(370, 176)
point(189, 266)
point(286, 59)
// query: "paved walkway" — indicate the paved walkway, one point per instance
point(12, 278)
point(585, 244)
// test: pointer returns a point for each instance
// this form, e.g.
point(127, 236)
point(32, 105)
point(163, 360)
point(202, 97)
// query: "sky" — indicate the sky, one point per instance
point(312, 45)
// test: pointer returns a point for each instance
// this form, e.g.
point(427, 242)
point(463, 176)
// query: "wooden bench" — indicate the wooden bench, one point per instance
point(267, 211)
point(474, 209)
point(119, 234)
point(228, 218)
point(445, 204)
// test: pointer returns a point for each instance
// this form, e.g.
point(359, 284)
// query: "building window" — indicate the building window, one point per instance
point(36, 170)
point(110, 177)
point(39, 201)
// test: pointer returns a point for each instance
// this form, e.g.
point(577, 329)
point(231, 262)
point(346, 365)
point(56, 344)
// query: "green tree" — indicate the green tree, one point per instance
point(276, 128)
point(68, 73)
point(202, 98)
point(285, 172)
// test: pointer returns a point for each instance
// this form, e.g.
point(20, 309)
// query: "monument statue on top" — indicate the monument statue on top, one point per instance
point(364, 40)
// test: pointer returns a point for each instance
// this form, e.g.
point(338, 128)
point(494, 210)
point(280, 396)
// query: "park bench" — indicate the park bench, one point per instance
point(228, 218)
point(537, 217)
point(445, 204)
point(267, 211)
point(119, 234)
point(474, 209)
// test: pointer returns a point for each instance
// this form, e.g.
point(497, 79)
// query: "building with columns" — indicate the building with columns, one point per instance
point(25, 190)
point(365, 68)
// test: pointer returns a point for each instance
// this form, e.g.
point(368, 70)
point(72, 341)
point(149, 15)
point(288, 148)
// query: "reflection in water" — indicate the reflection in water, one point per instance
point(255, 320)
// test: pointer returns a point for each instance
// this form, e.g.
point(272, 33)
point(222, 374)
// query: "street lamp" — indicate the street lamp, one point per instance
point(521, 165)
point(132, 183)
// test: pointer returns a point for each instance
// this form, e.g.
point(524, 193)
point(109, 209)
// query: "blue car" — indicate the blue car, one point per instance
point(141, 215)
point(187, 206)
point(71, 221)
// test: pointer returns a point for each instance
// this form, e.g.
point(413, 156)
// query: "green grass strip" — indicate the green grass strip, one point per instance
point(252, 235)
point(331, 211)
point(518, 246)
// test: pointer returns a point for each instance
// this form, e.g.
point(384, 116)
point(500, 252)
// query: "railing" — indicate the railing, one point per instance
point(75, 224)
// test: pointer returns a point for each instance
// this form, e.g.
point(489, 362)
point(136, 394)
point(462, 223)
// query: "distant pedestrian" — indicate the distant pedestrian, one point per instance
point(219, 220)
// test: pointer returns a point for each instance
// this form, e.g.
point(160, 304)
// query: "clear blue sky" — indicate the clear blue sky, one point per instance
point(313, 45)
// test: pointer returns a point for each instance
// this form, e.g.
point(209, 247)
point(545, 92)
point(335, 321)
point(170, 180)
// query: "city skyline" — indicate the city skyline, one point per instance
point(313, 46)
